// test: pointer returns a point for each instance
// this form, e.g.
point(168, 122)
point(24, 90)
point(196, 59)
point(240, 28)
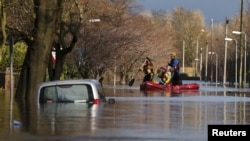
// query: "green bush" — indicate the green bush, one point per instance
point(19, 51)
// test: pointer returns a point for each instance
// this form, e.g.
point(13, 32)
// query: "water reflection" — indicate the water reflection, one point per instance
point(136, 115)
point(59, 118)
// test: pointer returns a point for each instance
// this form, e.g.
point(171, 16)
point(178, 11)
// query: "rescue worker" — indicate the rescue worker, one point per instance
point(164, 74)
point(147, 68)
point(175, 69)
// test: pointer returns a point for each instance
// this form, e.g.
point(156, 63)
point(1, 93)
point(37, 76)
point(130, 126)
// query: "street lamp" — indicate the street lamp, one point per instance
point(245, 54)
point(94, 20)
point(216, 55)
point(236, 73)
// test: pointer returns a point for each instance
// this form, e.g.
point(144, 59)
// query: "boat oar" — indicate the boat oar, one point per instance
point(131, 82)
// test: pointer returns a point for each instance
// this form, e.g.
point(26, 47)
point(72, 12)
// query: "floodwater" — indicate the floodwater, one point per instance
point(135, 116)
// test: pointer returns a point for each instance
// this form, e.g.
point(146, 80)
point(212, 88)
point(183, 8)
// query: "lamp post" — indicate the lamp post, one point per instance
point(225, 58)
point(236, 56)
point(216, 66)
point(202, 31)
point(11, 43)
point(200, 64)
point(115, 75)
point(196, 58)
point(206, 61)
point(245, 54)
point(183, 56)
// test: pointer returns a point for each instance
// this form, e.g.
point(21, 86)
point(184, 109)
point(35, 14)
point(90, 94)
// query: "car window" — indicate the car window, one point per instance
point(67, 93)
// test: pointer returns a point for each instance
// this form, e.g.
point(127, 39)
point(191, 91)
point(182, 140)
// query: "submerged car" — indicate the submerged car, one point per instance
point(70, 91)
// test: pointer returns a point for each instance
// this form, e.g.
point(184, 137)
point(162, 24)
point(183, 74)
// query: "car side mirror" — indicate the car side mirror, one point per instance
point(111, 100)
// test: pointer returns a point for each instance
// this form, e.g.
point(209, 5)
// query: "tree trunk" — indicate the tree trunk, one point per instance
point(3, 28)
point(39, 51)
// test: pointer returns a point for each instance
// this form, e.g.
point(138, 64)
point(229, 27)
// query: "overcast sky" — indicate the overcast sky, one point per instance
point(217, 10)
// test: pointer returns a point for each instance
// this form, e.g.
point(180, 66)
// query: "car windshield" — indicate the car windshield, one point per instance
point(66, 93)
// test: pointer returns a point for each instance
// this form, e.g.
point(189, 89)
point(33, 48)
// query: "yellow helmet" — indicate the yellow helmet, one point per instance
point(173, 54)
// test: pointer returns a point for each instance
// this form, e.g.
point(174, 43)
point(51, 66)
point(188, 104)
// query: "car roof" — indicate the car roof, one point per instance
point(72, 81)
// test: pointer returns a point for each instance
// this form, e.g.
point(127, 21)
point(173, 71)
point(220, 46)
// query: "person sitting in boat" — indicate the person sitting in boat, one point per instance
point(164, 74)
point(147, 68)
point(175, 69)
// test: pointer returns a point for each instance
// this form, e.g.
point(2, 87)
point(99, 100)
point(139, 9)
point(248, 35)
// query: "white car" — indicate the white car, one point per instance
point(73, 91)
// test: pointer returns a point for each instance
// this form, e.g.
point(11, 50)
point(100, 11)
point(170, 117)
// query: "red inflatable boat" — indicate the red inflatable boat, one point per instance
point(152, 86)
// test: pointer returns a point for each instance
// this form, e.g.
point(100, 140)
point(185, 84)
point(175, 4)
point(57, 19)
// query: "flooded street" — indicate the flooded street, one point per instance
point(135, 116)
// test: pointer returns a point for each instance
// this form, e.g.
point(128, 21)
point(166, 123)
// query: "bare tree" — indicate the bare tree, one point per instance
point(102, 44)
point(188, 26)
